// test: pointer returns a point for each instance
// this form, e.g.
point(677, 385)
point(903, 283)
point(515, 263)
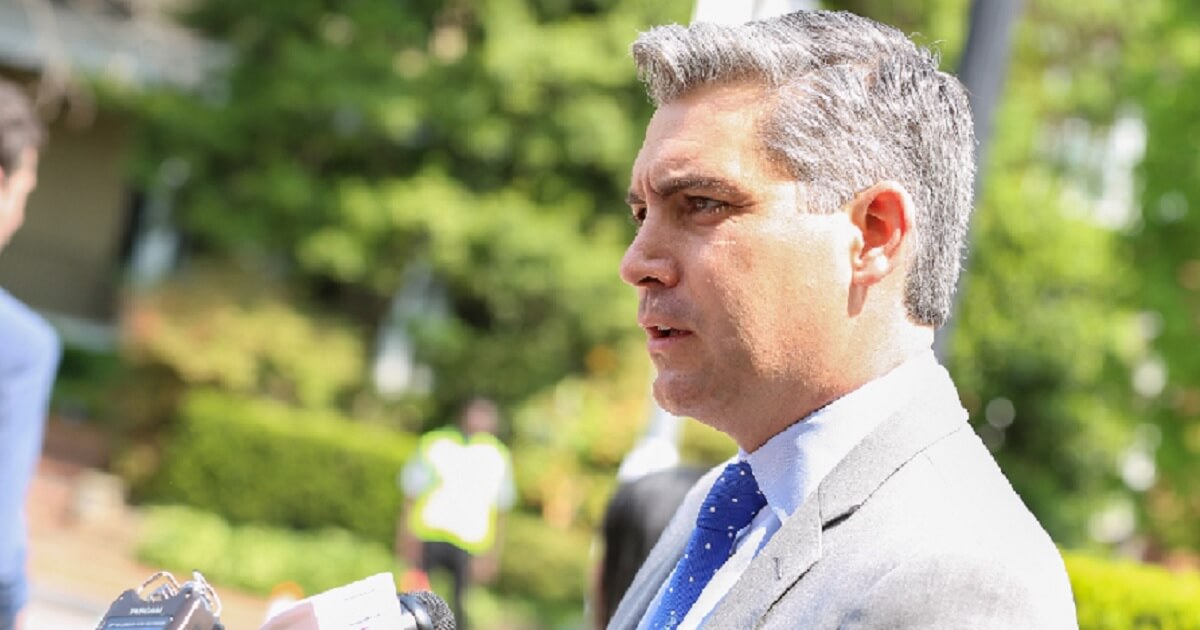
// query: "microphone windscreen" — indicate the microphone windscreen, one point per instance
point(439, 611)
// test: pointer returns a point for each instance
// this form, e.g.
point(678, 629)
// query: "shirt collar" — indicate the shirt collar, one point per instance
point(791, 465)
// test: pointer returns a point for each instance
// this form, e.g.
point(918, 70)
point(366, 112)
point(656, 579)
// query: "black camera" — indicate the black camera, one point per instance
point(169, 606)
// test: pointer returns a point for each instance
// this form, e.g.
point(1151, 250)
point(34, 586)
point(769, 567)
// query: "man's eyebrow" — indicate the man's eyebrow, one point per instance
point(671, 185)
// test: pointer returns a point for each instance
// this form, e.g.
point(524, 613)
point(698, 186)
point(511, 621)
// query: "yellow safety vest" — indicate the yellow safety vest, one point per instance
point(469, 479)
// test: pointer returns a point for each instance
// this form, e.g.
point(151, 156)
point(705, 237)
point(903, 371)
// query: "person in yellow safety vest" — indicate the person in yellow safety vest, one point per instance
point(457, 484)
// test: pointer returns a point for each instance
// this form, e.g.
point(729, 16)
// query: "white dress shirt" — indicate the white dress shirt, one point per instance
point(792, 464)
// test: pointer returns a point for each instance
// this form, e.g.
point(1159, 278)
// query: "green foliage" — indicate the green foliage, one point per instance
point(257, 558)
point(1113, 595)
point(230, 329)
point(254, 557)
point(256, 461)
point(531, 280)
point(569, 439)
point(1037, 354)
point(84, 382)
point(489, 141)
point(1162, 245)
point(545, 563)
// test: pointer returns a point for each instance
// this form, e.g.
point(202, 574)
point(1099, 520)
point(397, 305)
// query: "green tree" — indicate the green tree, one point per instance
point(1044, 346)
point(1162, 246)
point(487, 141)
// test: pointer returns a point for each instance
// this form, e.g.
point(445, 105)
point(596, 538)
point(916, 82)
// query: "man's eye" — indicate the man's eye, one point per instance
point(639, 216)
point(705, 205)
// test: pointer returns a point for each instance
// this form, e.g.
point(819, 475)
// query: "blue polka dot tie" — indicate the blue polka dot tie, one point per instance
point(729, 507)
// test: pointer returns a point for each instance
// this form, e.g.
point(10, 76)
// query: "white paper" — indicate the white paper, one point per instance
point(368, 604)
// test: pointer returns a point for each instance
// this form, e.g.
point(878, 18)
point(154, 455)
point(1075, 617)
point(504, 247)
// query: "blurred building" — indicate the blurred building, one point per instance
point(87, 227)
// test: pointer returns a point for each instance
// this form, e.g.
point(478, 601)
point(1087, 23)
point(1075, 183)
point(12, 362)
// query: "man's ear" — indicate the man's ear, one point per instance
point(885, 218)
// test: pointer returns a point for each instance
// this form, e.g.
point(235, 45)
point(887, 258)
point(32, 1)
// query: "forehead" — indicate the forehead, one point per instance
point(713, 129)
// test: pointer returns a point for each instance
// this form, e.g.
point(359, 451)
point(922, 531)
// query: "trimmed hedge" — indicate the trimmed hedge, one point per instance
point(1118, 595)
point(257, 558)
point(258, 461)
point(254, 557)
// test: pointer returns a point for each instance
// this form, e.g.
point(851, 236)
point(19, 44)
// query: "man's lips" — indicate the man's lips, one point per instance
point(663, 326)
point(662, 331)
point(665, 332)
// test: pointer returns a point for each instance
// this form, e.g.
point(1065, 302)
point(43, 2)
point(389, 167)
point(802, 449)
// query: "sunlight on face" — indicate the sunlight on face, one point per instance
point(739, 287)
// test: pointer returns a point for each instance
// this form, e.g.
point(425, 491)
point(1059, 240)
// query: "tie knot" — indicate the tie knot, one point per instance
point(733, 500)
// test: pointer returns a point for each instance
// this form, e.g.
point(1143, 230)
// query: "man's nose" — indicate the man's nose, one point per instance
point(649, 261)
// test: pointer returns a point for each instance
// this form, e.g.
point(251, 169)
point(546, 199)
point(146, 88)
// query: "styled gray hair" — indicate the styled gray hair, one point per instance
point(855, 103)
point(20, 127)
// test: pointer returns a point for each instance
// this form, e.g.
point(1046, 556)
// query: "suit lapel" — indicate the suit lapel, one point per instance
point(933, 413)
point(787, 556)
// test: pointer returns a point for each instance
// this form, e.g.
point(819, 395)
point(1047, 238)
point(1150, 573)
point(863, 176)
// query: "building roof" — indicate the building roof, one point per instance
point(95, 40)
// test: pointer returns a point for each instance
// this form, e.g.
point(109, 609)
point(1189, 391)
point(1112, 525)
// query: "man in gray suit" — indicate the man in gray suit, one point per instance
point(802, 197)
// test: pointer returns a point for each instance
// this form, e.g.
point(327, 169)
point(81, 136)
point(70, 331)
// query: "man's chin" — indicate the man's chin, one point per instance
point(682, 396)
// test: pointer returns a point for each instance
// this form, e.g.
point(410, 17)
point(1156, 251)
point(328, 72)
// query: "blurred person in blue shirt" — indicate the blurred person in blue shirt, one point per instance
point(29, 354)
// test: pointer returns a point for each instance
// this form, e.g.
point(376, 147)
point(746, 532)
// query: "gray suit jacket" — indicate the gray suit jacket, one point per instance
point(916, 528)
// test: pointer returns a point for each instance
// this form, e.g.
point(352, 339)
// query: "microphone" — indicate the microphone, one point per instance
point(424, 610)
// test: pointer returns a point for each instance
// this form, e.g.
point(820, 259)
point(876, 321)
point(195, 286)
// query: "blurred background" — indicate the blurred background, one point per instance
point(283, 238)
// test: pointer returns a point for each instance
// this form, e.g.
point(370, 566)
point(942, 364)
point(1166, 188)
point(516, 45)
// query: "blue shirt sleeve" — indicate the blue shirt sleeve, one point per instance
point(29, 356)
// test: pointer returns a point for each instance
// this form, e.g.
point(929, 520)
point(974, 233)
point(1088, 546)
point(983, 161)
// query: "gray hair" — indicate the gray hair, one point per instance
point(855, 103)
point(20, 127)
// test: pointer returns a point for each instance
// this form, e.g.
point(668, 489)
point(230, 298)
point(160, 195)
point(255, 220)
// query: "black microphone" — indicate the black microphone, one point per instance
point(424, 610)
